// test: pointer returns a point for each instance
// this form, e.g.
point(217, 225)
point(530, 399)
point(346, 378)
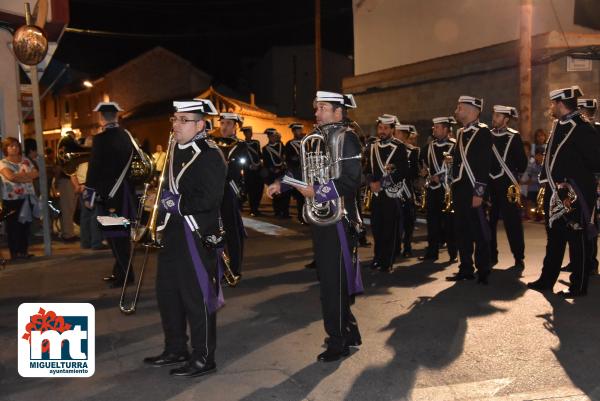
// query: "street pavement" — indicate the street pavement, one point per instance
point(424, 338)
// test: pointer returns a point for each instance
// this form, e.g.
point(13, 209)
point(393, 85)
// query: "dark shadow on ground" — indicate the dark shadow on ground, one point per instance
point(577, 325)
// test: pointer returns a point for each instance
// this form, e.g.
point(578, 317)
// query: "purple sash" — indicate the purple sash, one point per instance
point(211, 300)
point(353, 276)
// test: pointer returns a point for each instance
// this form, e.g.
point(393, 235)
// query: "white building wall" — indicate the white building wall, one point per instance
point(390, 33)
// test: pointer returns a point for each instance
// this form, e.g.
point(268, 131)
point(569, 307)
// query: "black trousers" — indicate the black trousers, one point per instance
point(407, 224)
point(471, 229)
point(440, 227)
point(285, 202)
point(581, 251)
point(511, 215)
point(17, 233)
point(340, 324)
point(179, 295)
point(386, 218)
point(121, 248)
point(254, 188)
point(234, 230)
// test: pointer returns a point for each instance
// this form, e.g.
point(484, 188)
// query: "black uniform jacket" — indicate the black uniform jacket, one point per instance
point(273, 159)
point(382, 152)
point(432, 157)
point(254, 153)
point(510, 147)
point(573, 153)
point(292, 157)
point(236, 155)
point(476, 140)
point(197, 172)
point(111, 151)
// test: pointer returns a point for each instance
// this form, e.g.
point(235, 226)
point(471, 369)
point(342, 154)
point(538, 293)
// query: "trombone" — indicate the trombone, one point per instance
point(144, 235)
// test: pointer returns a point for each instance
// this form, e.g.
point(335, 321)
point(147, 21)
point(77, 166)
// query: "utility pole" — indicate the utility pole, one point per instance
point(317, 44)
point(39, 138)
point(525, 70)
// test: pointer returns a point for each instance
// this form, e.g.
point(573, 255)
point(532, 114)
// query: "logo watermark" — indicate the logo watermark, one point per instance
point(56, 339)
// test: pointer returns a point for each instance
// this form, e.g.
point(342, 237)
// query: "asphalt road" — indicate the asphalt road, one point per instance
point(423, 338)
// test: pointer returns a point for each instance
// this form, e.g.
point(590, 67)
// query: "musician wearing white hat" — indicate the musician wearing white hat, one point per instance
point(107, 184)
point(471, 163)
point(568, 178)
point(508, 164)
point(440, 227)
point(332, 227)
point(188, 287)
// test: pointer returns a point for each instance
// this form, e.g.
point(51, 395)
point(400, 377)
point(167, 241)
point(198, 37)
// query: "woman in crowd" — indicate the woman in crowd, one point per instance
point(19, 201)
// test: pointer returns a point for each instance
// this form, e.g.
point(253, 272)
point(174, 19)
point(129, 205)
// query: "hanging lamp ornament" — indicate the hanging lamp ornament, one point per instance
point(30, 43)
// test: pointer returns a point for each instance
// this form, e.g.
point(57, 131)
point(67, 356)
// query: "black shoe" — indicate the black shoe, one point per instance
point(453, 259)
point(118, 282)
point(538, 286)
point(311, 265)
point(482, 277)
point(112, 277)
point(374, 265)
point(166, 359)
point(519, 265)
point(386, 269)
point(354, 342)
point(407, 254)
point(461, 276)
point(572, 294)
point(567, 268)
point(330, 355)
point(426, 257)
point(101, 247)
point(194, 368)
point(71, 239)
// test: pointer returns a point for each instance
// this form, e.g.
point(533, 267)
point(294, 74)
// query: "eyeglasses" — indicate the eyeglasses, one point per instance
point(181, 120)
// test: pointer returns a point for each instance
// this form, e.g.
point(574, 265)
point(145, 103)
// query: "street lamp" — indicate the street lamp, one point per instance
point(88, 84)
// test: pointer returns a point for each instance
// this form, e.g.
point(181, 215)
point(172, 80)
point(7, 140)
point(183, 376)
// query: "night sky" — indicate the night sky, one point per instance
point(215, 35)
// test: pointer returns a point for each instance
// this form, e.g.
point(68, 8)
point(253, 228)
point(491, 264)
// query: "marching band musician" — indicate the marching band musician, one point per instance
point(471, 162)
point(588, 109)
point(107, 185)
point(292, 161)
point(440, 227)
point(339, 276)
point(387, 166)
point(252, 170)
point(508, 163)
point(570, 163)
point(274, 161)
point(402, 134)
point(187, 282)
point(237, 156)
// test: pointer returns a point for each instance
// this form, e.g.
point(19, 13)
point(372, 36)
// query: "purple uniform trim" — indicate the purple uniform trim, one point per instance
point(326, 192)
point(353, 276)
point(212, 300)
point(479, 189)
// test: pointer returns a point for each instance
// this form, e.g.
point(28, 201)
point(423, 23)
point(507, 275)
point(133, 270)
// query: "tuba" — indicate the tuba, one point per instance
point(69, 161)
point(144, 235)
point(321, 157)
point(513, 195)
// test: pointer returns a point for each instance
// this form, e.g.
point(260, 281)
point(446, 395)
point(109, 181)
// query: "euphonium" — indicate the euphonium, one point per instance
point(145, 235)
point(513, 195)
point(321, 157)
